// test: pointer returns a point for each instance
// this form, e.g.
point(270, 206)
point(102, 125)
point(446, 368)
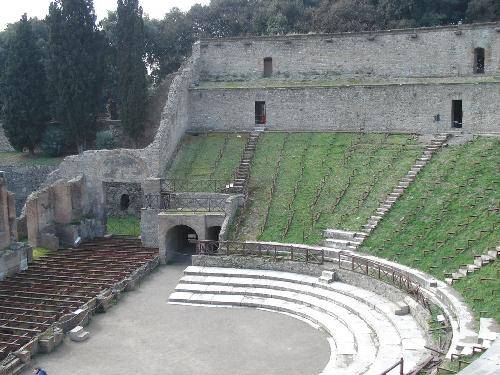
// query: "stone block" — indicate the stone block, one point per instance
point(78, 334)
point(401, 308)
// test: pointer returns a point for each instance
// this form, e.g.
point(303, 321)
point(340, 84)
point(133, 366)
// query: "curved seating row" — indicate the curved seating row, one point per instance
point(365, 335)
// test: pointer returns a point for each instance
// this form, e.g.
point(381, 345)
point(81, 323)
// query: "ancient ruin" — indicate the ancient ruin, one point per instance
point(429, 88)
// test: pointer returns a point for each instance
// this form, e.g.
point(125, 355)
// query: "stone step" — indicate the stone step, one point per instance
point(493, 254)
point(345, 349)
point(342, 244)
point(340, 234)
point(379, 314)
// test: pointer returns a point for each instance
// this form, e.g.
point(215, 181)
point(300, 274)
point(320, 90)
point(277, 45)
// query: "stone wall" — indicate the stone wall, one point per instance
point(14, 259)
point(23, 180)
point(8, 224)
point(395, 108)
point(122, 199)
point(425, 52)
point(62, 213)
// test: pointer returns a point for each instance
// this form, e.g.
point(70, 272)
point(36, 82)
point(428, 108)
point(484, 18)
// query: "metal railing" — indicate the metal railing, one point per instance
point(207, 185)
point(276, 252)
point(399, 364)
point(192, 204)
point(384, 273)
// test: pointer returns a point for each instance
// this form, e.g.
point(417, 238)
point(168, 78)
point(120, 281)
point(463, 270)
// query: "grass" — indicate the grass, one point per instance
point(335, 81)
point(25, 159)
point(448, 215)
point(39, 252)
point(305, 203)
point(128, 226)
point(481, 291)
point(206, 156)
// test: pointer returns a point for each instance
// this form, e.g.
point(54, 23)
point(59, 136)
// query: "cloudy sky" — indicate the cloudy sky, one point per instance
point(11, 10)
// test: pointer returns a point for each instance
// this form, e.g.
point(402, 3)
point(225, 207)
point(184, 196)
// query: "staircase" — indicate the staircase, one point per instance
point(434, 146)
point(366, 332)
point(241, 175)
point(345, 240)
point(479, 262)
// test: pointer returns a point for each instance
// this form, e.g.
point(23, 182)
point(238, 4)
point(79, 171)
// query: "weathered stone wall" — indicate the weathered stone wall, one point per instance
point(114, 204)
point(8, 224)
point(61, 213)
point(23, 180)
point(425, 52)
point(14, 259)
point(397, 108)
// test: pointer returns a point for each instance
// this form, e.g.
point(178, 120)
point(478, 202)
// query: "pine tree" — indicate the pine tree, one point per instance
point(25, 109)
point(76, 68)
point(132, 84)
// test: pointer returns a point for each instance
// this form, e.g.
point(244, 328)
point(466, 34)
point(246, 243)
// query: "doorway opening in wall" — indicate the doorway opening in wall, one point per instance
point(268, 66)
point(124, 202)
point(479, 60)
point(260, 113)
point(456, 114)
point(178, 240)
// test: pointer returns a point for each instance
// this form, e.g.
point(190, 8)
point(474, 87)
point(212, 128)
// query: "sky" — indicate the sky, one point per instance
point(12, 10)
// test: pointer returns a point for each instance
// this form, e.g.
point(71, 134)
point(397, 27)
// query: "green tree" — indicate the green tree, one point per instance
point(132, 83)
point(25, 109)
point(75, 68)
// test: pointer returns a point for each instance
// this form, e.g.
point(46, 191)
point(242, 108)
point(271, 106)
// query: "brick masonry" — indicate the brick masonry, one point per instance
point(22, 181)
point(424, 52)
point(392, 108)
point(115, 204)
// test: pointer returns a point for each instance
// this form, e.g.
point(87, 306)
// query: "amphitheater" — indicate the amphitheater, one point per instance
point(311, 204)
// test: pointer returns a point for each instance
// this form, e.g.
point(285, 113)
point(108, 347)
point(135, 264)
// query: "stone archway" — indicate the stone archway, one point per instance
point(177, 240)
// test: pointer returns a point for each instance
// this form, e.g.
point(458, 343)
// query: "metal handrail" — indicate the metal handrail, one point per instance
point(193, 184)
point(384, 273)
point(191, 204)
point(278, 252)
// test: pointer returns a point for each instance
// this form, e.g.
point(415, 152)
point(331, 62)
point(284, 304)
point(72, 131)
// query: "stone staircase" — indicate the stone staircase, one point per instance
point(345, 240)
point(366, 335)
point(243, 172)
point(479, 262)
point(435, 145)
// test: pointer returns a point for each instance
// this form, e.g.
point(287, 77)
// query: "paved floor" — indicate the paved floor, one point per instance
point(145, 335)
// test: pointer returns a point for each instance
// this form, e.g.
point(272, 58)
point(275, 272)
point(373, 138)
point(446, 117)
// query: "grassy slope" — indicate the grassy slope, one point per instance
point(374, 162)
point(208, 156)
point(446, 217)
point(24, 159)
point(129, 226)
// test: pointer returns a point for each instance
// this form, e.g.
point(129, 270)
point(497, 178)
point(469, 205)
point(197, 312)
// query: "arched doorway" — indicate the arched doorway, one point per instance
point(177, 240)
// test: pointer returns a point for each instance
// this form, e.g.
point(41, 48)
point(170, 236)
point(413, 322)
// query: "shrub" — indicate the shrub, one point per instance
point(106, 140)
point(53, 141)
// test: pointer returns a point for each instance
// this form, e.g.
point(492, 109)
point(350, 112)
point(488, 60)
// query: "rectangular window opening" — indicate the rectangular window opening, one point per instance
point(260, 113)
point(268, 67)
point(456, 114)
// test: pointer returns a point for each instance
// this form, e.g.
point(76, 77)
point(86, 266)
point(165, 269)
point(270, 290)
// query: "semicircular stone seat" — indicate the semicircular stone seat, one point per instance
point(365, 335)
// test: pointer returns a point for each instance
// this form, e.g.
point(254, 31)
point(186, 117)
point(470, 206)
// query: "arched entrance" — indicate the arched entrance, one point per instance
point(177, 240)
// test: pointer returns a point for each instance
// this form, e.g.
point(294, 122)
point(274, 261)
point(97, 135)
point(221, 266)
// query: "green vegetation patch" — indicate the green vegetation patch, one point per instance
point(481, 290)
point(39, 252)
point(128, 226)
point(446, 217)
point(24, 159)
point(303, 183)
point(208, 156)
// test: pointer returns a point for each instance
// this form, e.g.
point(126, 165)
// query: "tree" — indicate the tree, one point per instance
point(75, 67)
point(25, 108)
point(132, 84)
